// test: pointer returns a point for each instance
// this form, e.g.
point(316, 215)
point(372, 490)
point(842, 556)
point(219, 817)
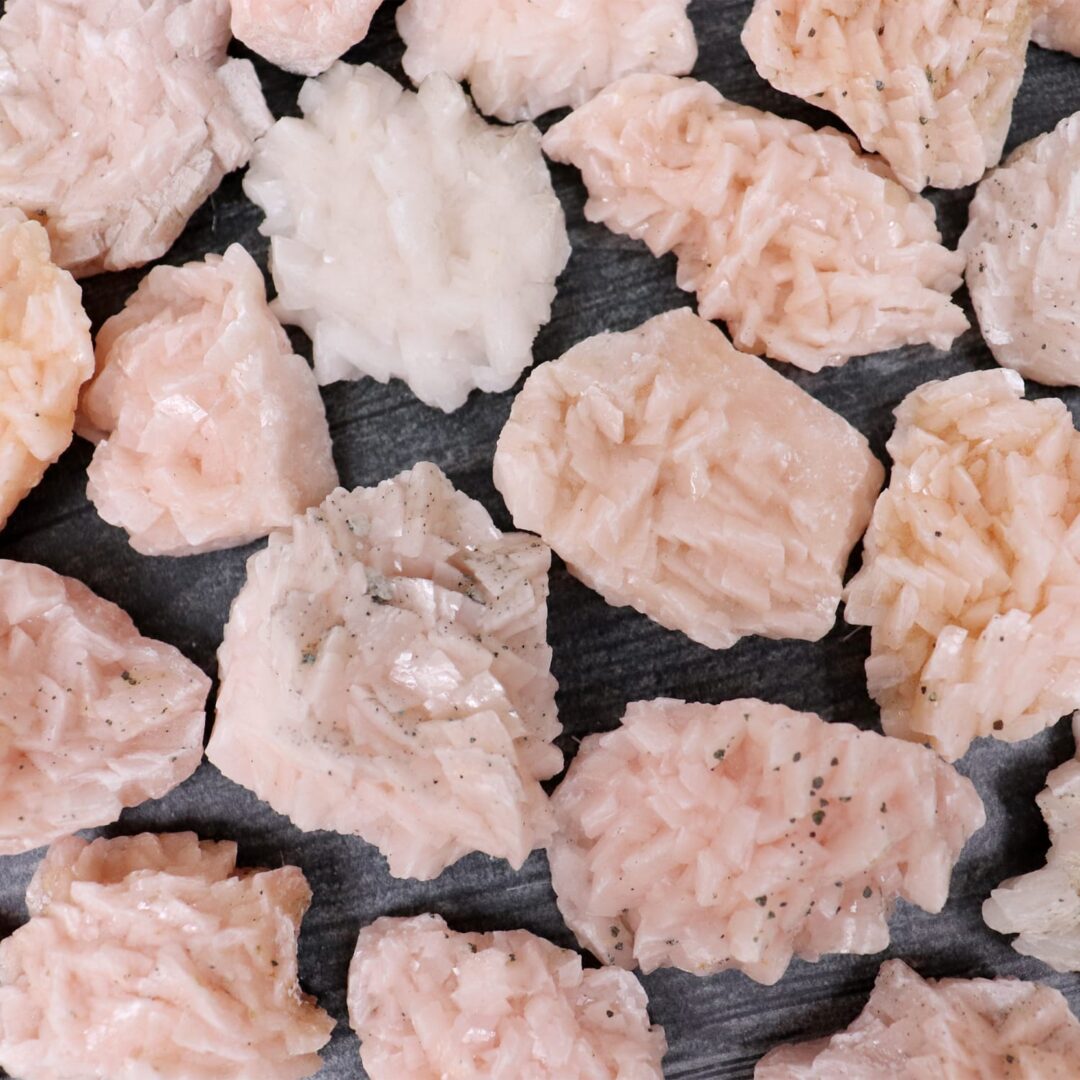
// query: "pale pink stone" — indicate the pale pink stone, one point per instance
point(809, 250)
point(96, 717)
point(523, 58)
point(928, 85)
point(1023, 269)
point(118, 118)
point(1043, 907)
point(429, 1004)
point(707, 837)
point(690, 481)
point(302, 36)
point(970, 579)
point(1057, 25)
point(385, 672)
point(45, 339)
point(210, 429)
point(154, 956)
point(928, 1029)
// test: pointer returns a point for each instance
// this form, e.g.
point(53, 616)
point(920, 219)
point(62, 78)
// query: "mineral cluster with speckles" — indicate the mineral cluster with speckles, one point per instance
point(430, 1003)
point(386, 672)
point(739, 835)
point(929, 86)
point(210, 430)
point(1043, 908)
point(118, 119)
point(381, 204)
point(970, 580)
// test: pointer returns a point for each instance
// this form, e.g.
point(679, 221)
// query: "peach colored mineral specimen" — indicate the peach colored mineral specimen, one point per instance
point(1043, 907)
point(690, 481)
point(970, 580)
point(302, 36)
point(1022, 264)
point(1057, 25)
point(381, 204)
point(154, 956)
point(385, 672)
point(118, 118)
point(96, 717)
point(429, 1004)
point(928, 1029)
point(707, 837)
point(809, 250)
point(45, 340)
point(929, 86)
point(523, 58)
point(210, 430)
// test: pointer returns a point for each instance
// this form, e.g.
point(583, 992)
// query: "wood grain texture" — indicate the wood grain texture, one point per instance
point(719, 1026)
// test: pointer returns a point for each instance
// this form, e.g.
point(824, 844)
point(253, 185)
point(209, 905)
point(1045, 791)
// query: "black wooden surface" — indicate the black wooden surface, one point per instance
point(718, 1026)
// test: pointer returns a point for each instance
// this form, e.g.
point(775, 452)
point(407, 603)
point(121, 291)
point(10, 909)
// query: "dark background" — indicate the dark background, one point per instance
point(604, 657)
